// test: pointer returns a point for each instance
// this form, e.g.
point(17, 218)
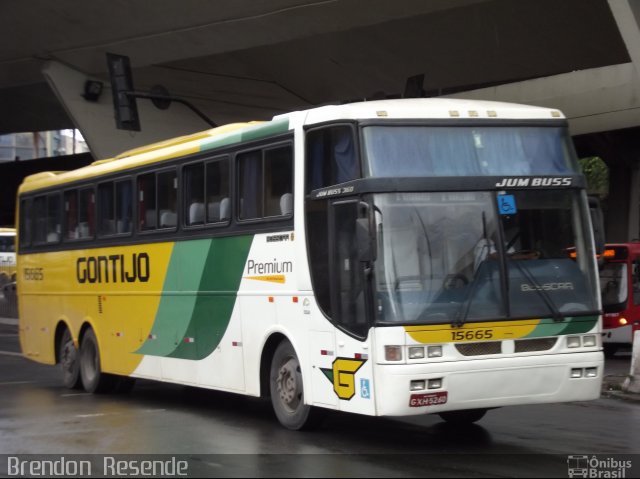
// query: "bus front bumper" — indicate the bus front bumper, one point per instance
point(488, 383)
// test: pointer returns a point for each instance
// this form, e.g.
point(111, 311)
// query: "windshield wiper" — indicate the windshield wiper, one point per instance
point(555, 313)
point(459, 319)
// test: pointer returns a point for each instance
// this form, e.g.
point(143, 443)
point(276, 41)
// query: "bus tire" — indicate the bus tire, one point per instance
point(69, 361)
point(466, 416)
point(93, 379)
point(287, 391)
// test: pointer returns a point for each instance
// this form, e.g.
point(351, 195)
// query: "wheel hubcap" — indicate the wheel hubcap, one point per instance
point(288, 384)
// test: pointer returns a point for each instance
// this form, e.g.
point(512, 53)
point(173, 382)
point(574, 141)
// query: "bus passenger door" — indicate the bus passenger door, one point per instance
point(351, 254)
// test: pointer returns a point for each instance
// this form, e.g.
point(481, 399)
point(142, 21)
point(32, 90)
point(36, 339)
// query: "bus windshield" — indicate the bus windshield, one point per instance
point(452, 257)
point(466, 151)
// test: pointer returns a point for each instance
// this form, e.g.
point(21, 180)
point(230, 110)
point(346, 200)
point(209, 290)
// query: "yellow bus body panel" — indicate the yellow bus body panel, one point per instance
point(121, 313)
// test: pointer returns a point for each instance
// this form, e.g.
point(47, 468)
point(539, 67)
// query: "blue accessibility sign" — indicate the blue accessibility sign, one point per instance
point(507, 205)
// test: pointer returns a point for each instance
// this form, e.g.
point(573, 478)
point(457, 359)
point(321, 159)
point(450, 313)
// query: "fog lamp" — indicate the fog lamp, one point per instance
point(417, 385)
point(435, 383)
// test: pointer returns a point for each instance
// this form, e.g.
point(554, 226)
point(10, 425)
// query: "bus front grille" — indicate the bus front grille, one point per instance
point(479, 349)
point(537, 344)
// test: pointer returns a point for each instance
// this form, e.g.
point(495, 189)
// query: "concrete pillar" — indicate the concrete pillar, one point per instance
point(632, 383)
point(617, 211)
point(627, 16)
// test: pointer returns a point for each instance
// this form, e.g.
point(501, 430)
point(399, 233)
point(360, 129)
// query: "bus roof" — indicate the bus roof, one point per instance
point(164, 150)
point(429, 108)
point(423, 108)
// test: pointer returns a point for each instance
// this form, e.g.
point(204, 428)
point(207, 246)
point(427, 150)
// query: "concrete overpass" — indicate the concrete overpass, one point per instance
point(249, 59)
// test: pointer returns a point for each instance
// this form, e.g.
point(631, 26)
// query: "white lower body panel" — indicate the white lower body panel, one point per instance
point(489, 383)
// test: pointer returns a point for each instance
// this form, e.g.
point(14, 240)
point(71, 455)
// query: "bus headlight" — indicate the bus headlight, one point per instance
point(573, 341)
point(434, 351)
point(589, 341)
point(416, 352)
point(393, 353)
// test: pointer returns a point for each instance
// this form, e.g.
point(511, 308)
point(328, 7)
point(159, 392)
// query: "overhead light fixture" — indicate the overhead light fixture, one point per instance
point(92, 90)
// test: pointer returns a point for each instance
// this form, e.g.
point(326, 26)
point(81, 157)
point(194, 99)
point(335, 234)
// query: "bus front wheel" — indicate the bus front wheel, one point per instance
point(93, 379)
point(287, 392)
point(68, 359)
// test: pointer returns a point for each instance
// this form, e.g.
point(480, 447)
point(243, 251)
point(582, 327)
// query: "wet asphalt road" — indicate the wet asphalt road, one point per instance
point(227, 435)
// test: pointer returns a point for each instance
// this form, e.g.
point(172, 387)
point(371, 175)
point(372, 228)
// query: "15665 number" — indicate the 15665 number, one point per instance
point(471, 335)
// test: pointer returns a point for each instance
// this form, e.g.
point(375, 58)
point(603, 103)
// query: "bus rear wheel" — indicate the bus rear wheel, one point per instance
point(93, 379)
point(287, 390)
point(69, 362)
point(466, 416)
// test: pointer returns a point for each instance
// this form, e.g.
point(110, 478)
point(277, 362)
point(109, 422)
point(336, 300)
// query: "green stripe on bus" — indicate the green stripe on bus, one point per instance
point(574, 325)
point(175, 310)
point(219, 286)
point(256, 132)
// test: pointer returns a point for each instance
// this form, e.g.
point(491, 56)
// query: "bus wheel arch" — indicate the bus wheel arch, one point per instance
point(67, 356)
point(266, 359)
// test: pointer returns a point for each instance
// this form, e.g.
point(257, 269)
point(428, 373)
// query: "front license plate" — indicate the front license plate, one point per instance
point(428, 399)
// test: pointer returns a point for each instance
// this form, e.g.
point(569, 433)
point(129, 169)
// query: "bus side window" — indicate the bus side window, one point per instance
point(147, 215)
point(86, 213)
point(635, 282)
point(54, 229)
point(25, 222)
point(331, 157)
point(250, 184)
point(266, 182)
point(124, 206)
point(71, 214)
point(218, 206)
point(40, 219)
point(106, 217)
point(167, 199)
point(278, 181)
point(193, 178)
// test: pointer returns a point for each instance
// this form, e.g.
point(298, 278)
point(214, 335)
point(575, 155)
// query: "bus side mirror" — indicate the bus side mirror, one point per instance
point(597, 222)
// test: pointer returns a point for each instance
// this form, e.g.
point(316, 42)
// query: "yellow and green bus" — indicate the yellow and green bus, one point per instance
point(394, 257)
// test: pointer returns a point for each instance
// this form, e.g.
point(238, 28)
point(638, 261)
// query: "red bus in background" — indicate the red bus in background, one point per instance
point(620, 291)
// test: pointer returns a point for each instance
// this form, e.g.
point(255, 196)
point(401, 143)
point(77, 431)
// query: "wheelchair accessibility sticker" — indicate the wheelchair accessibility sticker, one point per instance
point(507, 205)
point(364, 389)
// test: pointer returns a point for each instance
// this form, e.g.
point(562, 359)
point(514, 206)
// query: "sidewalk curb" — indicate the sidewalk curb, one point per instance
point(612, 388)
point(622, 395)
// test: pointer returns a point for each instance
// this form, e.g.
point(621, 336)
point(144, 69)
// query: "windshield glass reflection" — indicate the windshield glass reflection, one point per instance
point(451, 257)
